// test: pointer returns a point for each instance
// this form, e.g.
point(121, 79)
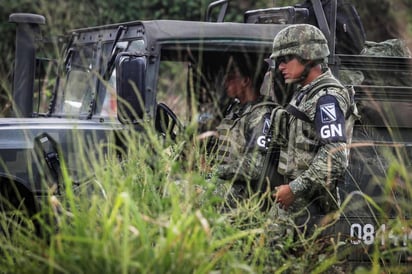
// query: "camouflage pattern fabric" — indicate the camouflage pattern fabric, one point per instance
point(266, 88)
point(304, 40)
point(313, 167)
point(388, 48)
point(240, 149)
point(351, 77)
point(391, 47)
point(280, 225)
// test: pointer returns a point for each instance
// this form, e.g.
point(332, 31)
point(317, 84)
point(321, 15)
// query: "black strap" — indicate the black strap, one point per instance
point(261, 104)
point(297, 113)
point(325, 82)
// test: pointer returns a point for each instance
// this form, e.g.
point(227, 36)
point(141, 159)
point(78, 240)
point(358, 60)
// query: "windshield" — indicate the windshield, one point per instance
point(106, 105)
point(82, 91)
point(76, 88)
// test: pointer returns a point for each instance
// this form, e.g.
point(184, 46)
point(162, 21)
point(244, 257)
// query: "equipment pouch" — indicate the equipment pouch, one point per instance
point(280, 120)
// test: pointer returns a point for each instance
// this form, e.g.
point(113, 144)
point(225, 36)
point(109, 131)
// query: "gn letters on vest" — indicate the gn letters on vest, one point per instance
point(241, 145)
point(319, 114)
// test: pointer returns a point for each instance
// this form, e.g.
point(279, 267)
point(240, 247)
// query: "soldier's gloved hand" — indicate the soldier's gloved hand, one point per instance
point(284, 196)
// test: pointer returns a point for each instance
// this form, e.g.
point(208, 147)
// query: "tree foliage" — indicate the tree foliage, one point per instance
point(383, 19)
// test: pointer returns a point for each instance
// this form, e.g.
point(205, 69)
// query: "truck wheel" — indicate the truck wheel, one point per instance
point(13, 199)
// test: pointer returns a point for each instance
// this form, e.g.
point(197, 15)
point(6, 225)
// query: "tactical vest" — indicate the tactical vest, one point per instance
point(302, 143)
point(231, 131)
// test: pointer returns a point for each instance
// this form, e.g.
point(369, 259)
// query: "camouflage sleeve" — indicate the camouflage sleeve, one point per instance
point(248, 167)
point(327, 166)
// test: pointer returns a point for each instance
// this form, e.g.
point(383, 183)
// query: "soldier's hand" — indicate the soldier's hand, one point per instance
point(284, 196)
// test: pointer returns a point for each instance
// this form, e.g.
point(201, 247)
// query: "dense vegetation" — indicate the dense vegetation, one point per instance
point(164, 218)
point(383, 19)
point(160, 215)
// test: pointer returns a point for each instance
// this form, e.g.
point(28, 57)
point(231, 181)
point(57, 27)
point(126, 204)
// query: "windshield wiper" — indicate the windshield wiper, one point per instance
point(114, 51)
point(109, 67)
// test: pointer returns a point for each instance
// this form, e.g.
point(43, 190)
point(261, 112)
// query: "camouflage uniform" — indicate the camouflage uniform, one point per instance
point(240, 148)
point(316, 154)
point(318, 128)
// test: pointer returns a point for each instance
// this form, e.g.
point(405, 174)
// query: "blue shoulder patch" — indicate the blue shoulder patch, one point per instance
point(256, 137)
point(329, 120)
point(266, 123)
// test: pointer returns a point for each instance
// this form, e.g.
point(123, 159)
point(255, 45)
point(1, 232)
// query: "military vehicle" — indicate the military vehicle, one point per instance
point(113, 77)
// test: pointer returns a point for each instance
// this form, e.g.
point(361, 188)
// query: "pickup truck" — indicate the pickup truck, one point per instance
point(113, 77)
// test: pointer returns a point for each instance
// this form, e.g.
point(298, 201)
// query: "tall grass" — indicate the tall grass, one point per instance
point(154, 212)
point(135, 216)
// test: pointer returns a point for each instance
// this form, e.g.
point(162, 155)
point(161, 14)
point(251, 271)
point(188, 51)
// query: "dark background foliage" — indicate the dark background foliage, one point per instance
point(383, 19)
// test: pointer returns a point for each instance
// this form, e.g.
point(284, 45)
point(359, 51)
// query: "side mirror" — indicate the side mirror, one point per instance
point(130, 84)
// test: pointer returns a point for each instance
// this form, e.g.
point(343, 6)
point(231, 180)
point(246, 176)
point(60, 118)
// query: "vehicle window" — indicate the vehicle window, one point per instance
point(78, 92)
point(193, 91)
point(46, 74)
point(191, 83)
point(107, 90)
point(171, 88)
point(77, 88)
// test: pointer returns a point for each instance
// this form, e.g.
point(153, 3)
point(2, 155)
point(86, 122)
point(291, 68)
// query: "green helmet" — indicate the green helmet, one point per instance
point(303, 40)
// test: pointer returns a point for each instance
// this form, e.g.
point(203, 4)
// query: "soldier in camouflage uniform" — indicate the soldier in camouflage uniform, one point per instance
point(316, 131)
point(240, 145)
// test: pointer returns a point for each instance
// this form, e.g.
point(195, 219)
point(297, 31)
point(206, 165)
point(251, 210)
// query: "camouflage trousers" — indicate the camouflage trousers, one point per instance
point(232, 194)
point(282, 224)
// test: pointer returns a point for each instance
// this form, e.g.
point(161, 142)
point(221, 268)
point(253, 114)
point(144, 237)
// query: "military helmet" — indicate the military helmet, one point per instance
point(303, 40)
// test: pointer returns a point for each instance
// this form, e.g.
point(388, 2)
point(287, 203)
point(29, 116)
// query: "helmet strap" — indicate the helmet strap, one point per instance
point(308, 66)
point(305, 72)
